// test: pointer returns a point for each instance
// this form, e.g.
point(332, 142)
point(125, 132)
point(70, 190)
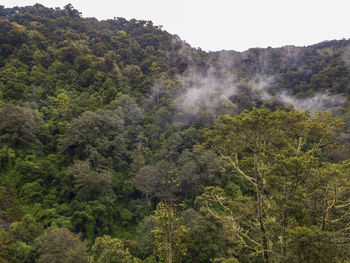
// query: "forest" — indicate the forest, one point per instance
point(120, 143)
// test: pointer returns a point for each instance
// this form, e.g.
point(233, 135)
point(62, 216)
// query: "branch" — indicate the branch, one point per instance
point(236, 166)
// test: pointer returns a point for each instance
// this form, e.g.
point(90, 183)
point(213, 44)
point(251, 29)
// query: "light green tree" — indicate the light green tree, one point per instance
point(169, 235)
point(234, 215)
point(279, 154)
point(110, 250)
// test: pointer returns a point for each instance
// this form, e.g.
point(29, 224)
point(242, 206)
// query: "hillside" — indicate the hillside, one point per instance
point(112, 148)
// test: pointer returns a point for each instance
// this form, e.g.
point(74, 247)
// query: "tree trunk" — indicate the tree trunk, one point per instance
point(260, 199)
point(264, 243)
point(170, 259)
point(170, 240)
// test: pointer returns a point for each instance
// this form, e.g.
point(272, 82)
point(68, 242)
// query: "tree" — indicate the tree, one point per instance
point(26, 230)
point(169, 235)
point(145, 181)
point(18, 126)
point(278, 153)
point(234, 216)
point(91, 183)
point(96, 136)
point(310, 244)
point(160, 181)
point(60, 245)
point(198, 169)
point(110, 250)
point(70, 11)
point(8, 250)
point(331, 210)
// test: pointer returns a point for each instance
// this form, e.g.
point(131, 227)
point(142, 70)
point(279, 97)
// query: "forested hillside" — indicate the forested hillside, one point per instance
point(119, 142)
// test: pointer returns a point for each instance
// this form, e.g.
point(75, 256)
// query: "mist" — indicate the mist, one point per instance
point(317, 102)
point(206, 92)
point(216, 88)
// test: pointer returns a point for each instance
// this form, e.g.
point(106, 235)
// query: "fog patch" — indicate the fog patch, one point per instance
point(317, 102)
point(207, 92)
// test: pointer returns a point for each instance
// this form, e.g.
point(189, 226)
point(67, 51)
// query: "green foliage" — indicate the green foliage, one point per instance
point(26, 230)
point(8, 250)
point(18, 126)
point(60, 245)
point(91, 184)
point(310, 245)
point(169, 235)
point(110, 250)
point(95, 138)
point(279, 153)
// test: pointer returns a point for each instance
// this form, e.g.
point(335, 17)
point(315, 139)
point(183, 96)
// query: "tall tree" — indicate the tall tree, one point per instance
point(269, 148)
point(168, 235)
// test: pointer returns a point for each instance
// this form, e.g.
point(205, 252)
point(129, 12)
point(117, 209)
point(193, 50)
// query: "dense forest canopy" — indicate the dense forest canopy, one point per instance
point(119, 142)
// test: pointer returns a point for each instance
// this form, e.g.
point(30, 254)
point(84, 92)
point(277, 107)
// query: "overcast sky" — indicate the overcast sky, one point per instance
point(226, 24)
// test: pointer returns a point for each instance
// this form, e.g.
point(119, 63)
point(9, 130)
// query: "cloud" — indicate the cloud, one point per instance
point(317, 102)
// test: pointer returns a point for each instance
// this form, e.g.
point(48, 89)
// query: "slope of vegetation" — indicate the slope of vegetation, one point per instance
point(121, 143)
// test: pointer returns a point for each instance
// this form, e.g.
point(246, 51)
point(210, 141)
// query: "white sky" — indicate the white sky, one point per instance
point(226, 24)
